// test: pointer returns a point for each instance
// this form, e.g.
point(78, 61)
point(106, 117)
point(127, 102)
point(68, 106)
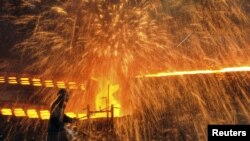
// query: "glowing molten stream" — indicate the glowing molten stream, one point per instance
point(107, 95)
point(193, 72)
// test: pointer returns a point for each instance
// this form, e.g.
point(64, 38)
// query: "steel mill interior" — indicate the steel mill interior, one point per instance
point(126, 70)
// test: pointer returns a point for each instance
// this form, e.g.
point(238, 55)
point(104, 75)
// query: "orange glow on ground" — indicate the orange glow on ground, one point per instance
point(71, 115)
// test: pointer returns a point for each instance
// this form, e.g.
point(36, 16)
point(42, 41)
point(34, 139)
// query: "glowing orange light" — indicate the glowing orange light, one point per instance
point(83, 86)
point(93, 78)
point(2, 79)
point(61, 84)
point(49, 83)
point(25, 81)
point(12, 80)
point(99, 115)
point(19, 112)
point(32, 113)
point(6, 112)
point(179, 73)
point(44, 114)
point(72, 85)
point(235, 69)
point(71, 115)
point(36, 82)
point(105, 98)
point(82, 116)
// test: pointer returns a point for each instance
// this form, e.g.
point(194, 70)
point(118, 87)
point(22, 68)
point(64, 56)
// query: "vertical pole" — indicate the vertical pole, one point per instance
point(112, 117)
point(108, 104)
point(88, 112)
point(108, 95)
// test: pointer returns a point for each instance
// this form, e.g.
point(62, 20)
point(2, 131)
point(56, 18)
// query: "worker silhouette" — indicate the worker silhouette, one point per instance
point(56, 131)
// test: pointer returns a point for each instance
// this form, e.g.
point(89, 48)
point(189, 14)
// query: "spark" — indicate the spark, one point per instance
point(189, 35)
point(115, 40)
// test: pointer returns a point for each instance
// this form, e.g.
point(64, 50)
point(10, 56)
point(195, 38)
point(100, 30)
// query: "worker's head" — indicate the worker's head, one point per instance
point(62, 93)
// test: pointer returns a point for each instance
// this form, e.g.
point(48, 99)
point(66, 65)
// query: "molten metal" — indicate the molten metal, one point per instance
point(193, 72)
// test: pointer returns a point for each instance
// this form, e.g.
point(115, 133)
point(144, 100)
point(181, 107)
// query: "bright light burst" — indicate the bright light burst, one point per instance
point(110, 40)
point(97, 37)
point(115, 40)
